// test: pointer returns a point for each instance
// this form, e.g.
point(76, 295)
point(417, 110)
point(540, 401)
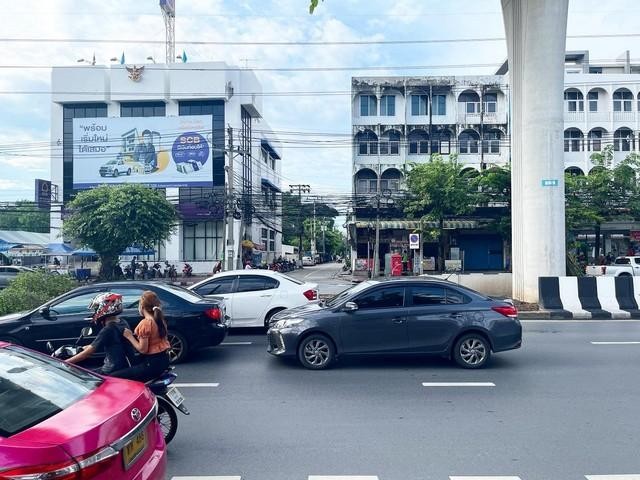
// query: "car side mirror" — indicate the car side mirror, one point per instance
point(86, 332)
point(45, 312)
point(350, 307)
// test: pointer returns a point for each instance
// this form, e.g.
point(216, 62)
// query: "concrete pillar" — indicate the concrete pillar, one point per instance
point(536, 33)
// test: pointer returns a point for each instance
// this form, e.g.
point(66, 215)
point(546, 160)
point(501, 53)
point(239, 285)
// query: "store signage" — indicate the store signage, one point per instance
point(157, 151)
point(414, 241)
point(43, 193)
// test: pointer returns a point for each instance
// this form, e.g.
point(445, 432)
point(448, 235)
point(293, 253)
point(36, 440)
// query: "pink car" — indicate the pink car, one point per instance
point(61, 422)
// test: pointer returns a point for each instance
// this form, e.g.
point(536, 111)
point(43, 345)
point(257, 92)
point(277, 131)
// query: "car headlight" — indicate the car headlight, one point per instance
point(290, 322)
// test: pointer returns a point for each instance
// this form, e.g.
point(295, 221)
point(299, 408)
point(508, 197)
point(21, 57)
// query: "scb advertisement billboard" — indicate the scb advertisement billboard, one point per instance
point(157, 151)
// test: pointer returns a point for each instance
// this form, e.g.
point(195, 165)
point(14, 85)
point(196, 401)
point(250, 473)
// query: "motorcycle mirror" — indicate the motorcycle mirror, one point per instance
point(86, 332)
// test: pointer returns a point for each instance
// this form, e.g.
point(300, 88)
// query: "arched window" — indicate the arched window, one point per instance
point(418, 142)
point(490, 102)
point(572, 140)
point(574, 100)
point(622, 99)
point(471, 101)
point(468, 141)
point(390, 180)
point(491, 141)
point(390, 143)
point(575, 171)
point(441, 142)
point(594, 139)
point(593, 97)
point(623, 140)
point(366, 181)
point(367, 143)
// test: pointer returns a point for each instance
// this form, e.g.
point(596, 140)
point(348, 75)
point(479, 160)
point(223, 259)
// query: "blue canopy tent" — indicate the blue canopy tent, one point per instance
point(59, 249)
point(133, 250)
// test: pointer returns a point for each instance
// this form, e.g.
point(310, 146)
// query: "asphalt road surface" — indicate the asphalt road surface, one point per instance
point(326, 275)
point(560, 408)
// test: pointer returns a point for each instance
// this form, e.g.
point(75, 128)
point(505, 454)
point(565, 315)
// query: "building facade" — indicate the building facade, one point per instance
point(397, 121)
point(234, 131)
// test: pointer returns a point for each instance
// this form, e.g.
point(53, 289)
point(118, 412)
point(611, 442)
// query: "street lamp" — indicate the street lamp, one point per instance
point(151, 58)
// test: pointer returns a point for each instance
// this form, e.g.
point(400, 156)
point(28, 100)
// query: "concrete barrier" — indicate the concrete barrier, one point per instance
point(590, 297)
point(493, 284)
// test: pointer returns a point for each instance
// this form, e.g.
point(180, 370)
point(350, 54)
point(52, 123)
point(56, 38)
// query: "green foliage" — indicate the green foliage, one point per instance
point(108, 219)
point(313, 5)
point(31, 289)
point(24, 215)
point(494, 189)
point(298, 216)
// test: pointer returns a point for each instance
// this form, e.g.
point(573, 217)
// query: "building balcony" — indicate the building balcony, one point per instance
point(624, 116)
point(599, 116)
point(574, 117)
point(488, 118)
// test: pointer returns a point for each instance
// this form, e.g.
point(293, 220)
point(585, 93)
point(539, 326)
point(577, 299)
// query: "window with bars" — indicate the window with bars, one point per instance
point(572, 140)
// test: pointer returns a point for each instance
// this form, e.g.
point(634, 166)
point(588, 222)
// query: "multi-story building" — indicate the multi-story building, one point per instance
point(162, 109)
point(397, 121)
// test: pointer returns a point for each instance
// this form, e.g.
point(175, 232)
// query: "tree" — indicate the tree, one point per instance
point(109, 219)
point(437, 191)
point(24, 215)
point(295, 216)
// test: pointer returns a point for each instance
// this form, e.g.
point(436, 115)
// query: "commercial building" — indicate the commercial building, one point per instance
point(178, 128)
point(397, 121)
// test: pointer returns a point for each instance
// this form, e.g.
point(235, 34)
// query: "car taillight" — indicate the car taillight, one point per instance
point(85, 467)
point(506, 310)
point(311, 294)
point(214, 314)
point(604, 270)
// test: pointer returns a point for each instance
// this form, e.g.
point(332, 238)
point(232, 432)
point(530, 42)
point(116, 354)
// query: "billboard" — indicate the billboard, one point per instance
point(156, 151)
point(43, 193)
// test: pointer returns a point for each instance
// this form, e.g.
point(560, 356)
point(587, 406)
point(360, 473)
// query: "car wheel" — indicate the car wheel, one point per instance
point(270, 315)
point(472, 351)
point(168, 419)
point(128, 172)
point(179, 346)
point(316, 352)
point(116, 173)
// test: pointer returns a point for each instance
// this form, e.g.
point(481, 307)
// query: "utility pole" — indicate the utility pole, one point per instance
point(300, 189)
point(313, 230)
point(231, 253)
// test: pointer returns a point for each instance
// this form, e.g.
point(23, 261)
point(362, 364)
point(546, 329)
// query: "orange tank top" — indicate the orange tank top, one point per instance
point(149, 329)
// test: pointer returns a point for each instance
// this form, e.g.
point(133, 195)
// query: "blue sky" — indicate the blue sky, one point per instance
point(24, 118)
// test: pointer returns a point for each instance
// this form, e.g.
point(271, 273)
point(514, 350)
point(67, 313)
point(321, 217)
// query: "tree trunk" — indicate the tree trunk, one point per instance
point(441, 248)
point(597, 247)
point(107, 264)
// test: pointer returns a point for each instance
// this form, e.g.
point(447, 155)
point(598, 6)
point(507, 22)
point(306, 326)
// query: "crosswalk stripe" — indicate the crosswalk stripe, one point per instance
point(343, 477)
point(485, 478)
point(613, 477)
point(207, 478)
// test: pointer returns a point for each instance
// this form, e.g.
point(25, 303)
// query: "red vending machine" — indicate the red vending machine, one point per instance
point(396, 265)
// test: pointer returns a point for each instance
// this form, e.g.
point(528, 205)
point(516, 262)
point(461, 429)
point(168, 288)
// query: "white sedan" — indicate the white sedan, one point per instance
point(252, 297)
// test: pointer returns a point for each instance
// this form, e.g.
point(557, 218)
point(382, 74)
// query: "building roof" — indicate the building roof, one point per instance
point(20, 237)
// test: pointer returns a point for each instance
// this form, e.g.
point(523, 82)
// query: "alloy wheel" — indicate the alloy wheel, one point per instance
point(473, 351)
point(317, 352)
point(176, 348)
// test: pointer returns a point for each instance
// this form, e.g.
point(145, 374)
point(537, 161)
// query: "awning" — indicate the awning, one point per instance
point(267, 146)
point(415, 224)
point(5, 247)
point(270, 184)
point(138, 251)
point(58, 249)
point(84, 252)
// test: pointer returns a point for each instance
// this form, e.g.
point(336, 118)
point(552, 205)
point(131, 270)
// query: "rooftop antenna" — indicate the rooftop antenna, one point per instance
point(168, 8)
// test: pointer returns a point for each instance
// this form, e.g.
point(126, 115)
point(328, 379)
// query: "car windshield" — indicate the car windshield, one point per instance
point(183, 293)
point(111, 162)
point(332, 302)
point(34, 387)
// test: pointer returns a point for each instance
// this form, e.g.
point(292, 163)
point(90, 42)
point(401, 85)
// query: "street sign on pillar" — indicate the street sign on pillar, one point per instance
point(414, 241)
point(43, 193)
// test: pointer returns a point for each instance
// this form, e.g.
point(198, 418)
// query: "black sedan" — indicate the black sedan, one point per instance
point(400, 316)
point(193, 321)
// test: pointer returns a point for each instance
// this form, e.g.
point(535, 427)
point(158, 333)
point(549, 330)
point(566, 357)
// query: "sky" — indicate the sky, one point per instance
point(324, 115)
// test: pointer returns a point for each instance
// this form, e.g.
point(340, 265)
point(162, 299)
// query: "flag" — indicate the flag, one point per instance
point(184, 57)
point(93, 62)
point(122, 59)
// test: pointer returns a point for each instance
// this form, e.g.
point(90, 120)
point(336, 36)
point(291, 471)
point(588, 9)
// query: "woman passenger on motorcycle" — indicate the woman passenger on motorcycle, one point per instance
point(150, 340)
point(106, 307)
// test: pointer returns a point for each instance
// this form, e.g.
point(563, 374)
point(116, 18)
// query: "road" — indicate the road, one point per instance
point(562, 408)
point(326, 275)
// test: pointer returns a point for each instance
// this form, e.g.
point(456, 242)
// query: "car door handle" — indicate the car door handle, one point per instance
point(456, 315)
point(265, 296)
point(398, 320)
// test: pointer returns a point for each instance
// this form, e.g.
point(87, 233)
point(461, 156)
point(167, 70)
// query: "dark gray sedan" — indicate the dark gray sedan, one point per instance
point(400, 316)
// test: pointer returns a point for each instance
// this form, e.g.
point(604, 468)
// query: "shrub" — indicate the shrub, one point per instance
point(31, 289)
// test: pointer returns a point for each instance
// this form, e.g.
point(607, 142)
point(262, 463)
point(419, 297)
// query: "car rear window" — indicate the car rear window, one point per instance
point(183, 293)
point(34, 387)
point(291, 279)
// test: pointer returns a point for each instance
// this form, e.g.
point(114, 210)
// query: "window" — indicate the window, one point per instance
point(622, 140)
point(388, 105)
point(439, 105)
point(368, 105)
point(254, 283)
point(367, 186)
point(572, 140)
point(593, 101)
point(622, 101)
point(595, 140)
point(574, 101)
point(381, 298)
point(418, 142)
point(367, 143)
point(419, 104)
point(35, 388)
point(203, 241)
point(441, 143)
point(455, 298)
point(468, 142)
point(490, 102)
point(272, 240)
point(74, 305)
point(217, 287)
point(391, 143)
point(431, 295)
point(595, 69)
point(491, 142)
point(142, 109)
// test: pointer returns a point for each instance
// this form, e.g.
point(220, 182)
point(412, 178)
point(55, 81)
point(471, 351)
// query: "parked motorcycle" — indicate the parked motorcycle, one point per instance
point(187, 270)
point(156, 270)
point(170, 271)
point(169, 398)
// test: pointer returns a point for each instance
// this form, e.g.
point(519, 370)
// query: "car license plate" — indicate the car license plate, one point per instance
point(175, 396)
point(134, 449)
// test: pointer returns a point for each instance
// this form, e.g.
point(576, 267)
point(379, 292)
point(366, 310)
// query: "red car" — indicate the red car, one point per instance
point(61, 422)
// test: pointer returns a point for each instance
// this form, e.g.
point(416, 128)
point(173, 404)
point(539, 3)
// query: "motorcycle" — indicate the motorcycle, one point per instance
point(156, 270)
point(170, 271)
point(169, 398)
point(187, 271)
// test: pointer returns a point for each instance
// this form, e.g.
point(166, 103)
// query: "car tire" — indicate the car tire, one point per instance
point(129, 173)
point(179, 346)
point(8, 339)
point(116, 173)
point(472, 351)
point(270, 315)
point(316, 352)
point(168, 419)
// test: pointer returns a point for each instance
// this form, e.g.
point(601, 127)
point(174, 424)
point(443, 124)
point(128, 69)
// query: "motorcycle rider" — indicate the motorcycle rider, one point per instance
point(106, 307)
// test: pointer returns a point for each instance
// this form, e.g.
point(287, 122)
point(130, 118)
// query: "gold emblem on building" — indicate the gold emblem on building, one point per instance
point(135, 73)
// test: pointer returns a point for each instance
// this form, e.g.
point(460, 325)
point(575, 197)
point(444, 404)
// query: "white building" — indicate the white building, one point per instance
point(231, 98)
point(400, 120)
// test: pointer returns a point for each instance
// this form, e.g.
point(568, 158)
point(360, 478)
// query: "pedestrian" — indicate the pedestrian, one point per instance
point(56, 261)
point(217, 268)
point(134, 265)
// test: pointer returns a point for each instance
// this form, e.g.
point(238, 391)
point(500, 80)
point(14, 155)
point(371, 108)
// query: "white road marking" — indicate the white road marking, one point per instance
point(613, 320)
point(486, 478)
point(207, 478)
point(615, 343)
point(613, 477)
point(343, 477)
point(236, 343)
point(196, 385)
point(458, 384)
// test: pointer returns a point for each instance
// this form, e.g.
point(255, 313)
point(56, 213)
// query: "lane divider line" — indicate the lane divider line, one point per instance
point(458, 384)
point(613, 320)
point(235, 343)
point(486, 478)
point(613, 477)
point(343, 477)
point(615, 343)
point(207, 478)
point(196, 385)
